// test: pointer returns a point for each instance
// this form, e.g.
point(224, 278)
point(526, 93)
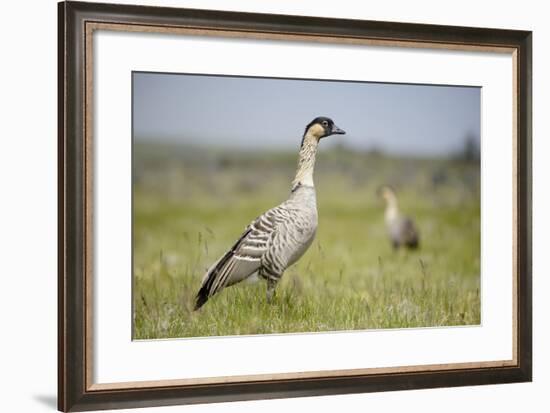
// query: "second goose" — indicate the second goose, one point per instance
point(401, 229)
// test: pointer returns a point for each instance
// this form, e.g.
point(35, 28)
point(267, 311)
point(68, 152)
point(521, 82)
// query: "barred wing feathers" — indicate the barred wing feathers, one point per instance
point(403, 232)
point(243, 259)
point(410, 233)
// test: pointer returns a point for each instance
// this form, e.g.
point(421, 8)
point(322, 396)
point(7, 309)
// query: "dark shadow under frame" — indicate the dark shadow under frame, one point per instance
point(73, 392)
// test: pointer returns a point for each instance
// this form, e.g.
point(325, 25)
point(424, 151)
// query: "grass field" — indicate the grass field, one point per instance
point(190, 205)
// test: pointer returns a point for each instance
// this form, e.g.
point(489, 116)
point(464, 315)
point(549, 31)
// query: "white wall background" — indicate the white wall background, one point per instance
point(28, 203)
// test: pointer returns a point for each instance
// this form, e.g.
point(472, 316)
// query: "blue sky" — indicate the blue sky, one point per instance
point(264, 113)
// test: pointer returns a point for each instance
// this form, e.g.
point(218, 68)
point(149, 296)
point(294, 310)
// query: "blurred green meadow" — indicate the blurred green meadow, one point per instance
point(190, 204)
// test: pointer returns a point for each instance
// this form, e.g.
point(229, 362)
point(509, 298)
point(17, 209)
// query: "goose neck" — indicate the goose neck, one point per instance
point(306, 161)
point(392, 211)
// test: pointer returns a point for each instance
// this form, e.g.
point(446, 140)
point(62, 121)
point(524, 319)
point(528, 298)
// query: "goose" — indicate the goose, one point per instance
point(279, 237)
point(401, 229)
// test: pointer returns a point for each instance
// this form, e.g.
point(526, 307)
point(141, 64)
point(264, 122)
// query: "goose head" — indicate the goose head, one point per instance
point(322, 127)
point(387, 193)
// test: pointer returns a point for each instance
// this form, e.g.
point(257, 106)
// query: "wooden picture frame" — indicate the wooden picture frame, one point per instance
point(77, 21)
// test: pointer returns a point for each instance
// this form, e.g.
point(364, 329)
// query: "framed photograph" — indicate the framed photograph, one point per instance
point(259, 206)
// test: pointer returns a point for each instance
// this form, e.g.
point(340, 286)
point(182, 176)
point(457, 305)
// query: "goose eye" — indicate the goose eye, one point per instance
point(325, 123)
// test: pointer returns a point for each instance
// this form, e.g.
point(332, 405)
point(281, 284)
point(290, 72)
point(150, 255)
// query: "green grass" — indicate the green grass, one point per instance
point(187, 213)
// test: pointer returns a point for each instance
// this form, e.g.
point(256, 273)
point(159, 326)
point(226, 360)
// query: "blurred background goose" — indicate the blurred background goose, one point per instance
point(279, 237)
point(401, 229)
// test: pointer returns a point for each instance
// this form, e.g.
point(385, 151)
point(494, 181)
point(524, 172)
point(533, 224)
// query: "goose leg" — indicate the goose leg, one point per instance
point(395, 246)
point(271, 284)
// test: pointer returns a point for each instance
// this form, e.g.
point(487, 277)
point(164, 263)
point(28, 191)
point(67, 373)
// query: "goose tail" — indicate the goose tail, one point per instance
point(202, 297)
point(217, 276)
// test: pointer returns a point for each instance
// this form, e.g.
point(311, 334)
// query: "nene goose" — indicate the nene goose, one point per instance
point(401, 229)
point(278, 238)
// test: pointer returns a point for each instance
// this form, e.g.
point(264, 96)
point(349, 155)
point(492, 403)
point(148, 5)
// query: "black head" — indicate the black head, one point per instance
point(322, 127)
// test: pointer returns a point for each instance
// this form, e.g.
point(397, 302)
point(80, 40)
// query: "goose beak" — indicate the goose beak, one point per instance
point(337, 131)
